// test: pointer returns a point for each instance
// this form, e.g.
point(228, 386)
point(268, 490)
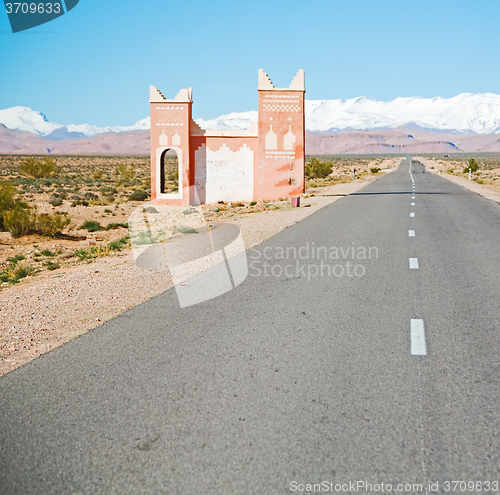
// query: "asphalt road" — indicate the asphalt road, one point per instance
point(296, 377)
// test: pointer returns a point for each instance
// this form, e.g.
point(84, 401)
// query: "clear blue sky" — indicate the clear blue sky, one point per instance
point(95, 63)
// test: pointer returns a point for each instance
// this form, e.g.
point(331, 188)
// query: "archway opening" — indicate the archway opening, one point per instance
point(169, 172)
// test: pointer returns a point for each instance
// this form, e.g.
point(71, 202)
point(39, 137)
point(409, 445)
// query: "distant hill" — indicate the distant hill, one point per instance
point(468, 123)
point(402, 141)
point(399, 141)
point(23, 142)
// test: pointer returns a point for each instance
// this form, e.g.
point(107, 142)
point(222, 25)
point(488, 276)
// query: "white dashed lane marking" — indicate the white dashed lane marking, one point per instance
point(413, 204)
point(412, 215)
point(414, 263)
point(411, 233)
point(418, 346)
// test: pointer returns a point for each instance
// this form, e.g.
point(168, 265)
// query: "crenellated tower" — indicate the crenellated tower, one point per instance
point(170, 132)
point(281, 131)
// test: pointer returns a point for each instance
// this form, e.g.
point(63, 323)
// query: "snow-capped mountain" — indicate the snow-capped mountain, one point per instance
point(26, 119)
point(466, 113)
point(234, 120)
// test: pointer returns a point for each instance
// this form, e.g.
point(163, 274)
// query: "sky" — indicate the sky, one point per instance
point(95, 63)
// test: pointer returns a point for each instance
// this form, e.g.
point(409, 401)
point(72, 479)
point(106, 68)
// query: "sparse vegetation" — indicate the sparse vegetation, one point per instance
point(138, 195)
point(15, 272)
point(16, 258)
point(318, 169)
point(473, 166)
point(51, 265)
point(36, 168)
point(91, 226)
point(100, 251)
point(22, 222)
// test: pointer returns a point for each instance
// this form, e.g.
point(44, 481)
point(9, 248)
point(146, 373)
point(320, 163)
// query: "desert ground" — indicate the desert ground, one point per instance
point(58, 287)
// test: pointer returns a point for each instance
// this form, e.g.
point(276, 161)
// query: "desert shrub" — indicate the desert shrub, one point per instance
point(55, 201)
point(89, 195)
point(138, 195)
point(91, 226)
point(8, 202)
point(115, 225)
point(15, 272)
point(48, 253)
point(16, 258)
point(83, 254)
point(46, 224)
point(100, 251)
point(374, 170)
point(23, 222)
point(318, 169)
point(52, 265)
point(36, 168)
point(473, 166)
point(94, 252)
point(49, 225)
point(253, 203)
point(107, 189)
point(18, 221)
point(101, 201)
point(98, 174)
point(79, 202)
point(119, 244)
point(126, 173)
point(107, 210)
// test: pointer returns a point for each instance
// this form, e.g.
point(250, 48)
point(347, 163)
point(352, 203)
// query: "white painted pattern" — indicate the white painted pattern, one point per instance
point(412, 215)
point(281, 108)
point(271, 140)
point(289, 139)
point(413, 263)
point(411, 233)
point(176, 139)
point(170, 115)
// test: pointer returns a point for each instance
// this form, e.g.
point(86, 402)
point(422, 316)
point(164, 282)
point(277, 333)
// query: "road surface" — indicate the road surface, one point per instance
point(383, 368)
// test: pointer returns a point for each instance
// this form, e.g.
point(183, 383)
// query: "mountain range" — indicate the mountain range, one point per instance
point(468, 122)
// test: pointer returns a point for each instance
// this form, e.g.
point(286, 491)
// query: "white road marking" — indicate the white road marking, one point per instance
point(413, 204)
point(409, 170)
point(411, 233)
point(414, 263)
point(418, 346)
point(413, 197)
point(412, 215)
